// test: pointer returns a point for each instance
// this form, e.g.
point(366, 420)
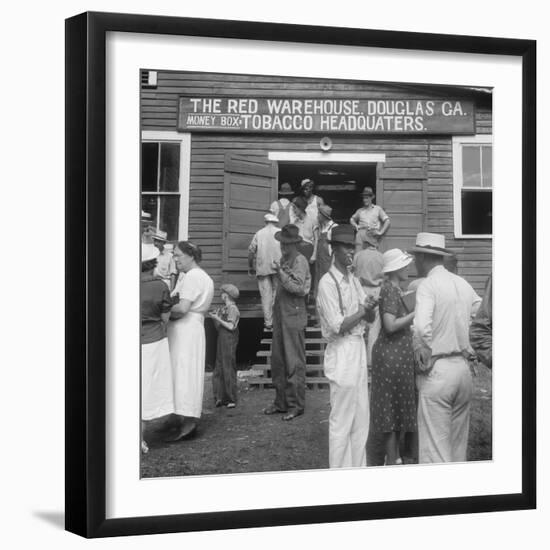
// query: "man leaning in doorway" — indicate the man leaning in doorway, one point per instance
point(288, 351)
point(263, 252)
point(445, 305)
point(370, 220)
point(344, 310)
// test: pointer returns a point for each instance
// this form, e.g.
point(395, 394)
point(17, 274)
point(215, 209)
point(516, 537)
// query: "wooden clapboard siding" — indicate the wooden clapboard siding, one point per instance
point(209, 152)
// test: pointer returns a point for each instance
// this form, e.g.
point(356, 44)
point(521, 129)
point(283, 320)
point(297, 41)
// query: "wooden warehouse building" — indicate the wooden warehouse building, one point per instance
point(216, 147)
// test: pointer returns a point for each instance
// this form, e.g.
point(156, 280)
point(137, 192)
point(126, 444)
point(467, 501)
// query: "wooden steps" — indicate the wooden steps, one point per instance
point(315, 349)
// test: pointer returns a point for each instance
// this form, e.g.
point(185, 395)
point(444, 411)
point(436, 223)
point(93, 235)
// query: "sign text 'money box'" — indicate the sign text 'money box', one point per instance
point(324, 115)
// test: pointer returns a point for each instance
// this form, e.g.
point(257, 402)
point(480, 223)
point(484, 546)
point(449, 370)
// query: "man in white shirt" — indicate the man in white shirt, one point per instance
point(445, 305)
point(264, 251)
point(344, 310)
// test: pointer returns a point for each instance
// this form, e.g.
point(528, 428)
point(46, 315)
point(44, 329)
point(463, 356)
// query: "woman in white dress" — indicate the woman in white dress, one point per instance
point(186, 337)
point(157, 395)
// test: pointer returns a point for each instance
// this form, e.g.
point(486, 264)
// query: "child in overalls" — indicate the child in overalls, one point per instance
point(226, 320)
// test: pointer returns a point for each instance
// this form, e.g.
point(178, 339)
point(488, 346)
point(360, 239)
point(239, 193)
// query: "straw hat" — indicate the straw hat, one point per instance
point(160, 235)
point(395, 259)
point(149, 252)
point(430, 243)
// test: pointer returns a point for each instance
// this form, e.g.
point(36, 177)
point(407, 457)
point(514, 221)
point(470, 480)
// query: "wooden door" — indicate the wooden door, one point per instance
point(250, 186)
point(401, 192)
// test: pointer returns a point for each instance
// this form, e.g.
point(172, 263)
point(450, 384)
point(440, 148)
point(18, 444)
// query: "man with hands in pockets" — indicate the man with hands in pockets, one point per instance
point(344, 311)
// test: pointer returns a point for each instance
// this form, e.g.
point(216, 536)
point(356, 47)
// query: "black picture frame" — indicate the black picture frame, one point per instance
point(86, 280)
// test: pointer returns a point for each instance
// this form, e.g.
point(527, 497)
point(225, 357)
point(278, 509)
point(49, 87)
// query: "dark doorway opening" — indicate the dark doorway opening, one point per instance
point(339, 184)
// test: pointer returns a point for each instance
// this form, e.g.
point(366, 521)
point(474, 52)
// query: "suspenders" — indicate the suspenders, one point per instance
point(340, 300)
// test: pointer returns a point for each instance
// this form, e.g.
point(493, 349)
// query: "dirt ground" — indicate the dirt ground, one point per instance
point(243, 439)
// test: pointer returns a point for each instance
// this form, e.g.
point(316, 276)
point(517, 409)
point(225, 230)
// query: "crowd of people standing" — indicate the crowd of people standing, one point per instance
point(417, 350)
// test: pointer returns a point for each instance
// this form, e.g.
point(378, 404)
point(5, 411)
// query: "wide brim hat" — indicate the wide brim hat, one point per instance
point(149, 252)
point(395, 259)
point(343, 234)
point(430, 243)
point(300, 202)
point(289, 234)
point(231, 290)
point(285, 189)
point(326, 211)
point(161, 236)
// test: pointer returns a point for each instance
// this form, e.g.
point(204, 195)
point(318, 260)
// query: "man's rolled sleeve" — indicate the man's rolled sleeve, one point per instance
point(329, 307)
point(423, 315)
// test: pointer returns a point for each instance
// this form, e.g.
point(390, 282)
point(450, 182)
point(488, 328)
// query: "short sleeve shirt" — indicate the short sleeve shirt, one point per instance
point(197, 287)
point(371, 217)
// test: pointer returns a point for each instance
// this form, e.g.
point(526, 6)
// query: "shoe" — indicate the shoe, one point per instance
point(272, 409)
point(186, 431)
point(230, 405)
point(293, 414)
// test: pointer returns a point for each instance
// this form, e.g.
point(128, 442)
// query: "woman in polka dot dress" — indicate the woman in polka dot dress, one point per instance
point(393, 406)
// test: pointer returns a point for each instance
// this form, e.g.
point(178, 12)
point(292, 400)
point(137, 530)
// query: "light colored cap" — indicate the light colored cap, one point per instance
point(431, 243)
point(305, 182)
point(149, 252)
point(230, 289)
point(395, 259)
point(271, 218)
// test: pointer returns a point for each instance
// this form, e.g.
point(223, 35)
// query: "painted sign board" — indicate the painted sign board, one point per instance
point(325, 115)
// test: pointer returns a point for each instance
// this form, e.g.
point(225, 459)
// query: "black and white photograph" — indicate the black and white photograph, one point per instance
point(316, 273)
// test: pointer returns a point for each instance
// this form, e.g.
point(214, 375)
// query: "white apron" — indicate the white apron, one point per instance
point(157, 397)
point(187, 352)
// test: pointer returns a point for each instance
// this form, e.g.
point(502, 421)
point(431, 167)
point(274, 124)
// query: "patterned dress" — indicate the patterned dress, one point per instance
point(393, 406)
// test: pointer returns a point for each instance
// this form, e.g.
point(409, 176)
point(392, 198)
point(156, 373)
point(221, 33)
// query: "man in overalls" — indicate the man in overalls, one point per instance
point(288, 353)
point(281, 208)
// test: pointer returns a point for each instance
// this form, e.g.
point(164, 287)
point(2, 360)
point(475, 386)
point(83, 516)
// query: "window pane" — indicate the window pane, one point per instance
point(149, 166)
point(477, 212)
point(487, 165)
point(169, 166)
point(471, 176)
point(169, 216)
point(149, 205)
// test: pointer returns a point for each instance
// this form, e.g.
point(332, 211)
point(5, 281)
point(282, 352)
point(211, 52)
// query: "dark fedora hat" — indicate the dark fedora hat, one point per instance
point(289, 234)
point(300, 203)
point(343, 234)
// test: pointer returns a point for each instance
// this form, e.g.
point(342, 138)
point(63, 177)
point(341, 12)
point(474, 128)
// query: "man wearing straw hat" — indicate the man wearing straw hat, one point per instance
point(344, 310)
point(166, 265)
point(445, 305)
point(263, 251)
point(288, 352)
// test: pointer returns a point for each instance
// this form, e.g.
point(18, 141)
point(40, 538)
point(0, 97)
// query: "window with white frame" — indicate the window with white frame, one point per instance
point(164, 183)
point(473, 186)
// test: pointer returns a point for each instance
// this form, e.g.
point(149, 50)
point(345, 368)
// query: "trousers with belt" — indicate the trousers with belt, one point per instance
point(288, 351)
point(444, 397)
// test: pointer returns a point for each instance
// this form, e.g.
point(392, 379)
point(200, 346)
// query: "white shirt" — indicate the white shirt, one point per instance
point(266, 248)
point(328, 303)
point(197, 287)
point(445, 305)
